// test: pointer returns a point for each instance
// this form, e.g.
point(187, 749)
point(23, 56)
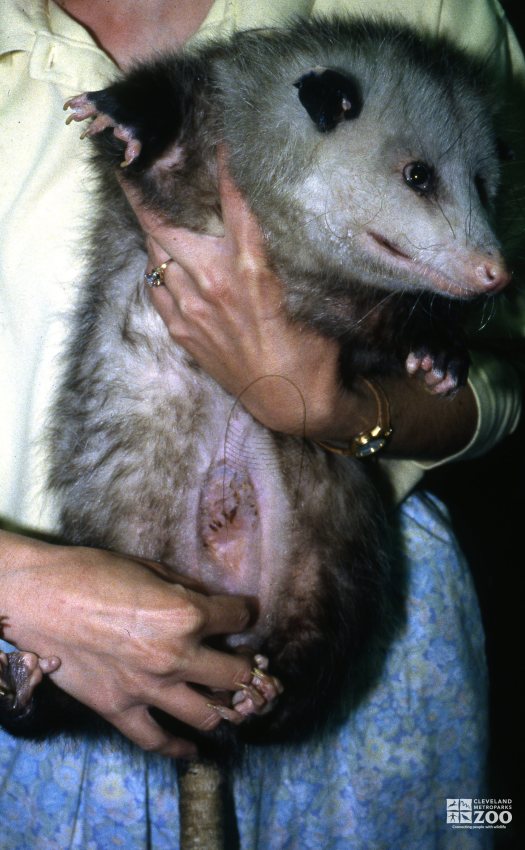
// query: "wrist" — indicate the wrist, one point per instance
point(24, 592)
point(342, 413)
point(372, 439)
point(322, 412)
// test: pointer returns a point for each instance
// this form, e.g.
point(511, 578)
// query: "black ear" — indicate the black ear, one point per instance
point(329, 97)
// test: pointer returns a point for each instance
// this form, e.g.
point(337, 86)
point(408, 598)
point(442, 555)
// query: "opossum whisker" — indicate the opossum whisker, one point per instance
point(376, 306)
point(413, 309)
point(468, 219)
point(420, 247)
point(315, 191)
point(443, 213)
point(397, 88)
point(461, 135)
point(490, 306)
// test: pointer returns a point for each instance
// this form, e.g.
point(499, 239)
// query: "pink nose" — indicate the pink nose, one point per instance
point(492, 275)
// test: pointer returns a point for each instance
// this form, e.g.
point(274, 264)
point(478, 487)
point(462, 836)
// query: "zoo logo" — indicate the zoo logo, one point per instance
point(464, 812)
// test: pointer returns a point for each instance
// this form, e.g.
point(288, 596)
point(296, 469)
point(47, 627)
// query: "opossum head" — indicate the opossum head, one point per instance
point(386, 166)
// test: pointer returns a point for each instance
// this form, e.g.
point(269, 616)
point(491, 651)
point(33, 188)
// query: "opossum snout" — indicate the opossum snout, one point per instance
point(478, 273)
point(491, 275)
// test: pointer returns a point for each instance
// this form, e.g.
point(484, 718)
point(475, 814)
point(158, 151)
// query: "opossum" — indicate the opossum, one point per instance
point(369, 158)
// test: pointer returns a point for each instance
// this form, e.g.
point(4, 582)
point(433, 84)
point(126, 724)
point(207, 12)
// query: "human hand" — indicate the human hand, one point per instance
point(223, 304)
point(127, 639)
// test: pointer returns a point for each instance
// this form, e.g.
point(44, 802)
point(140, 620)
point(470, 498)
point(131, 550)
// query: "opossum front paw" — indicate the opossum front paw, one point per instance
point(83, 106)
point(20, 674)
point(256, 698)
point(442, 373)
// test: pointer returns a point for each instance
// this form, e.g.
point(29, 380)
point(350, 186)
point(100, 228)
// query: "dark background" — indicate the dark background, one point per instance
point(486, 499)
point(515, 10)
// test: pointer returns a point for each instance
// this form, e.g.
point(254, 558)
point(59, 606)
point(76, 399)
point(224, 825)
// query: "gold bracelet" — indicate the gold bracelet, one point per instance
point(368, 442)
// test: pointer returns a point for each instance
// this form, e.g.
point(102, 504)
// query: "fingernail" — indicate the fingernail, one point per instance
point(220, 709)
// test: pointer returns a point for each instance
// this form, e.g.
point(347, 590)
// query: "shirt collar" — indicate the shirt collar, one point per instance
point(61, 50)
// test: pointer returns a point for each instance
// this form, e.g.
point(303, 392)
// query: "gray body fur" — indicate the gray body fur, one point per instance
point(150, 456)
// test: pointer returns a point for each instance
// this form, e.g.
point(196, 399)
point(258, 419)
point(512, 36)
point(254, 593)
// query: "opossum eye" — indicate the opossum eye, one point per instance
point(419, 176)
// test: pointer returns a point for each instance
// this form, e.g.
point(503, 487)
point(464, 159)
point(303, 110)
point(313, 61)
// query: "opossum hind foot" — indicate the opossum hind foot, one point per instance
point(256, 698)
point(20, 674)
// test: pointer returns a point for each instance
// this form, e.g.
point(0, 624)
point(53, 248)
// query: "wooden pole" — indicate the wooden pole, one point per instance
point(201, 808)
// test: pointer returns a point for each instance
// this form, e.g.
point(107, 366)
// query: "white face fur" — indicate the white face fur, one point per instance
point(402, 204)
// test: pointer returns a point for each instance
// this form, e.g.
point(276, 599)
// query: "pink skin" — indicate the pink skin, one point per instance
point(82, 108)
point(435, 381)
point(491, 278)
point(258, 697)
point(483, 274)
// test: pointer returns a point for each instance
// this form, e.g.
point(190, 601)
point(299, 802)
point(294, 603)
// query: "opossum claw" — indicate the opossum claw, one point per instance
point(81, 106)
point(258, 697)
point(269, 686)
point(258, 673)
point(249, 701)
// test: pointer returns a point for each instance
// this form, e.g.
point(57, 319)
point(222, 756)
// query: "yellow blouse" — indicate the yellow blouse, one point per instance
point(46, 193)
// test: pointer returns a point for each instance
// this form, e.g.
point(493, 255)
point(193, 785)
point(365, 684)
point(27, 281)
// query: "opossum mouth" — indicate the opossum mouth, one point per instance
point(388, 246)
point(436, 279)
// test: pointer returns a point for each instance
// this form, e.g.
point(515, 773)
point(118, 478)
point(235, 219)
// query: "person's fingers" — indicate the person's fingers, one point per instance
point(218, 670)
point(164, 241)
point(212, 615)
point(189, 274)
point(166, 306)
point(225, 614)
point(168, 574)
point(240, 223)
point(138, 725)
point(150, 222)
point(187, 705)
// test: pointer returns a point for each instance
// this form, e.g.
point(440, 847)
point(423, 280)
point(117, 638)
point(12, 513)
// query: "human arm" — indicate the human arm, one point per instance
point(127, 639)
point(426, 427)
point(224, 305)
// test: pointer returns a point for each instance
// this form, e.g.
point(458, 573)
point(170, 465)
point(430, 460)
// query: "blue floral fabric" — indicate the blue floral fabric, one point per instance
point(378, 783)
